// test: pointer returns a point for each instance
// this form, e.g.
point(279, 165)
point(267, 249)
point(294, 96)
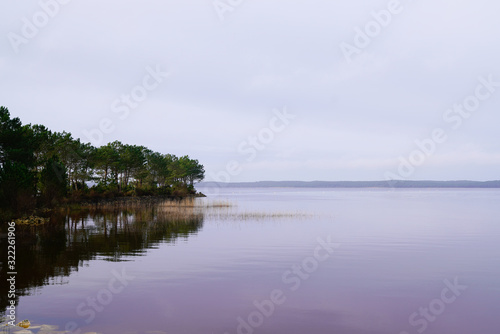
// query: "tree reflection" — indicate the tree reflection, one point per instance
point(115, 232)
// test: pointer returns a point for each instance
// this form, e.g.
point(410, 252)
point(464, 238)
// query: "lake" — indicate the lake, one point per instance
point(267, 260)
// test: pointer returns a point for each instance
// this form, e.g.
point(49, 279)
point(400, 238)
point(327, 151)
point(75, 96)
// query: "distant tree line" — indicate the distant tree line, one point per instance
point(39, 167)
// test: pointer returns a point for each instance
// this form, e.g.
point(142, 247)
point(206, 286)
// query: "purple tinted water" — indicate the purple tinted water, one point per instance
point(404, 261)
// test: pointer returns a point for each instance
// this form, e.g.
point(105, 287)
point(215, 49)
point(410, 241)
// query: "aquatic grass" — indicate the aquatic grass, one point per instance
point(198, 203)
point(142, 203)
point(147, 208)
point(257, 215)
point(31, 221)
point(182, 210)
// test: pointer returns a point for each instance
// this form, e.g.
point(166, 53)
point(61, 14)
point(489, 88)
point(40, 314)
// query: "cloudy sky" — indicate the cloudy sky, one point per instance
point(267, 89)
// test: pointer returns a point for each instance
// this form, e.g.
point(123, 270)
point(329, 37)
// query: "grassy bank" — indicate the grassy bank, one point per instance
point(87, 200)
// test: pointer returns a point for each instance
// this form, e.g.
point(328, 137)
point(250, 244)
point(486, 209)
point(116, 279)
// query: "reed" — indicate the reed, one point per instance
point(184, 210)
point(198, 203)
point(256, 215)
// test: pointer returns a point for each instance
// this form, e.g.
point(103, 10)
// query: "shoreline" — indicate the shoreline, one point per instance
point(96, 202)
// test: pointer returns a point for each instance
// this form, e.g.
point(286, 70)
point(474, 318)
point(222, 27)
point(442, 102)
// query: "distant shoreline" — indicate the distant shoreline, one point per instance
point(356, 184)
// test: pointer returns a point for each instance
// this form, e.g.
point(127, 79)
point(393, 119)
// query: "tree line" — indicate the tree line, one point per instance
point(39, 167)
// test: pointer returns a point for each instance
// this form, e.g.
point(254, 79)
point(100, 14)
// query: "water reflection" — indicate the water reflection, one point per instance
point(112, 232)
point(397, 250)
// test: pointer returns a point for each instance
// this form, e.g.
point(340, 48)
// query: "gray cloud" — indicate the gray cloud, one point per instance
point(354, 120)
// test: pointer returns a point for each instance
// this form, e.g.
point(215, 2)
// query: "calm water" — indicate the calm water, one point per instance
point(270, 261)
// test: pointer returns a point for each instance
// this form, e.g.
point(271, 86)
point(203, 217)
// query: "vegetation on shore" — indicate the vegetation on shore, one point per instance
point(40, 168)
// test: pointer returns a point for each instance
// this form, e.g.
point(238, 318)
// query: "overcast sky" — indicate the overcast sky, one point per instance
point(267, 89)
